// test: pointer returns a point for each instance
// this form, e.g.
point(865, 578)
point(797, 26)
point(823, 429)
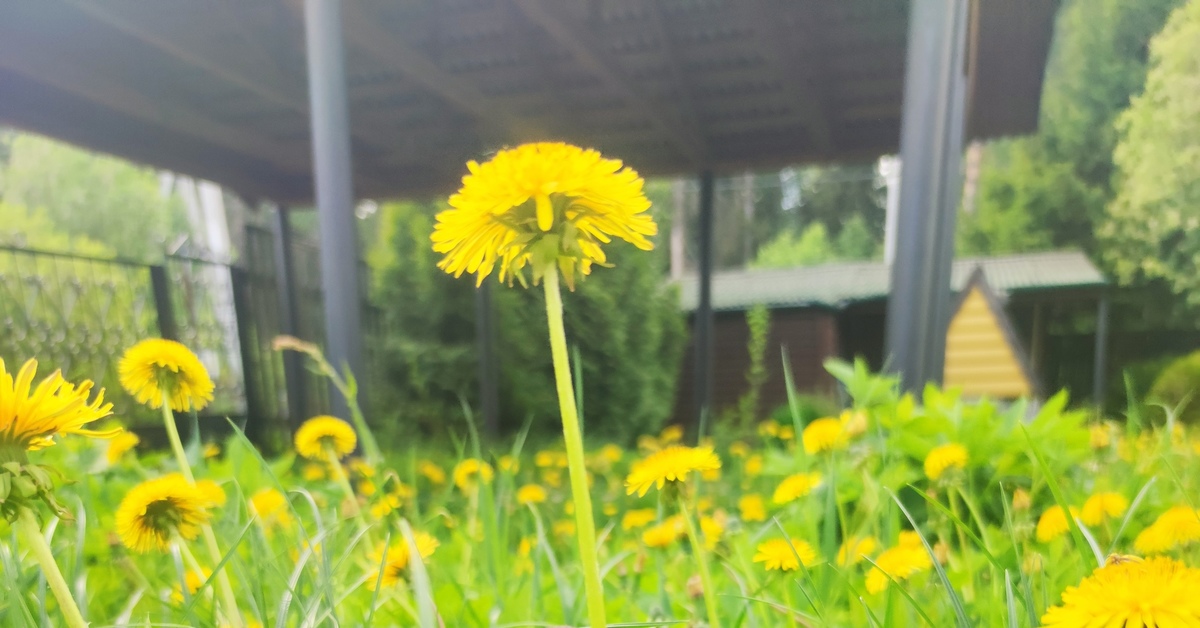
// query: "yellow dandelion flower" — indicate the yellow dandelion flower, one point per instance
point(193, 581)
point(313, 472)
point(1103, 506)
point(785, 555)
point(1156, 592)
point(432, 472)
point(640, 518)
point(564, 528)
point(673, 464)
point(739, 449)
point(540, 204)
point(648, 443)
point(552, 477)
point(470, 472)
point(752, 508)
point(550, 459)
point(120, 445)
point(768, 428)
point(943, 458)
point(320, 435)
point(361, 468)
point(823, 435)
point(900, 562)
point(787, 433)
point(155, 367)
point(396, 558)
point(1021, 500)
point(909, 538)
point(271, 508)
point(30, 417)
point(386, 505)
point(854, 422)
point(1100, 435)
point(211, 450)
point(531, 494)
point(665, 533)
point(508, 464)
point(712, 529)
point(796, 486)
point(1176, 527)
point(156, 511)
point(611, 453)
point(671, 434)
point(1053, 523)
point(854, 549)
point(753, 466)
point(711, 475)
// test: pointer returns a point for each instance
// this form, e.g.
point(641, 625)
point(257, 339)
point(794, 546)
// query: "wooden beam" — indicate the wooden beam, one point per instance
point(591, 53)
point(365, 33)
point(803, 90)
point(22, 54)
point(686, 96)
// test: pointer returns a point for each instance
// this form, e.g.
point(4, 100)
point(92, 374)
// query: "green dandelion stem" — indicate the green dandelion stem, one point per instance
point(710, 592)
point(31, 534)
point(224, 589)
point(585, 525)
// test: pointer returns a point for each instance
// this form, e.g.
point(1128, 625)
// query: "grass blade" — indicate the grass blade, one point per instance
point(960, 613)
point(1081, 542)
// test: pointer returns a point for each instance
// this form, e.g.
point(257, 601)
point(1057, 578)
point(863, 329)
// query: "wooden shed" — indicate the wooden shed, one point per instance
point(839, 311)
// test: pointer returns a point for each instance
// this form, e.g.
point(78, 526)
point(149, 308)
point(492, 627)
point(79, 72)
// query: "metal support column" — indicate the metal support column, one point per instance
point(160, 286)
point(702, 323)
point(294, 377)
point(485, 330)
point(333, 182)
point(931, 144)
point(1100, 353)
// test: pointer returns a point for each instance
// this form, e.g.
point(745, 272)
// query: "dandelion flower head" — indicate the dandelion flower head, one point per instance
point(854, 549)
point(1053, 523)
point(639, 518)
point(1156, 592)
point(785, 555)
point(826, 434)
point(470, 472)
point(752, 507)
point(30, 416)
point(320, 435)
point(271, 508)
point(943, 458)
point(1103, 506)
point(796, 486)
point(540, 204)
point(672, 464)
point(900, 562)
point(395, 559)
point(1176, 527)
point(531, 494)
point(120, 445)
point(154, 368)
point(156, 511)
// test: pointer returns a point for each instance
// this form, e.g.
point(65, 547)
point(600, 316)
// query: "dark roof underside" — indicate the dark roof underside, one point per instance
point(217, 89)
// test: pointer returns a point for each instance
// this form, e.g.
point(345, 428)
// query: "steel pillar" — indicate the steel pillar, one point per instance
point(702, 322)
point(334, 189)
point(931, 144)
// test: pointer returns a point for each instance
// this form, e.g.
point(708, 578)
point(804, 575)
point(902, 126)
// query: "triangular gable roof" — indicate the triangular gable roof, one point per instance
point(983, 355)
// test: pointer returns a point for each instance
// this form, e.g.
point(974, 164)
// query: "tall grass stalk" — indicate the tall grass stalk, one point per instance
point(710, 591)
point(585, 524)
point(224, 589)
point(31, 535)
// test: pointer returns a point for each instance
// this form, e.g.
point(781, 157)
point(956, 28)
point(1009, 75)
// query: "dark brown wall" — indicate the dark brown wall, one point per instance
point(810, 336)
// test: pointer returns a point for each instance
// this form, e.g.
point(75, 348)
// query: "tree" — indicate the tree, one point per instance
point(87, 194)
point(1050, 190)
point(812, 246)
point(1152, 229)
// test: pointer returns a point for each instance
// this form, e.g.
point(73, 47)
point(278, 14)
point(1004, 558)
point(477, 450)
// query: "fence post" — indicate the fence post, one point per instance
point(251, 383)
point(160, 286)
point(294, 377)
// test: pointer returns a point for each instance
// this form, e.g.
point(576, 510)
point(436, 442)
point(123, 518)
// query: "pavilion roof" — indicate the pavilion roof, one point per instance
point(217, 89)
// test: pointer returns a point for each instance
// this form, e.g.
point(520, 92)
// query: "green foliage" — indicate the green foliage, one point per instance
point(624, 322)
point(21, 227)
point(1049, 190)
point(90, 195)
point(758, 320)
point(1178, 386)
point(1153, 227)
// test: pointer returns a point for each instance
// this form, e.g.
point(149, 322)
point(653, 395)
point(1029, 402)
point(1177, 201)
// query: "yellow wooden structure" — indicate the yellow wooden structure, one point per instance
point(983, 355)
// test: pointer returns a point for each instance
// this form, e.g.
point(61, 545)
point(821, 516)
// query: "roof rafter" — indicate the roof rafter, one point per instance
point(176, 116)
point(365, 33)
point(589, 52)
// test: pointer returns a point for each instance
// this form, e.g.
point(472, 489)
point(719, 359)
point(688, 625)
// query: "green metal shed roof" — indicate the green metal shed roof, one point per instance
point(841, 284)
